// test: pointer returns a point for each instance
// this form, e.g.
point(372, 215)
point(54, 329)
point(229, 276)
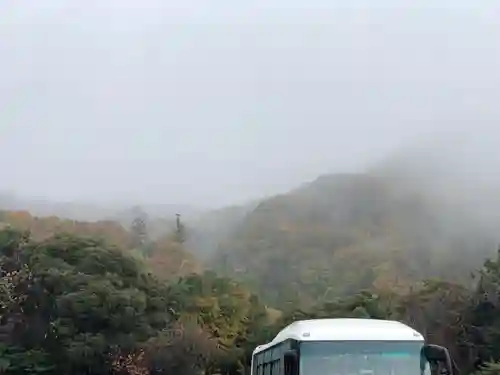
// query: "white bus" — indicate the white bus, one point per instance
point(349, 347)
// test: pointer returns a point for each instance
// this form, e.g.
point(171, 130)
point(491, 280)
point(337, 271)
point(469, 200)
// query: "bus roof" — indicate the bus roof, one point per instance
point(345, 330)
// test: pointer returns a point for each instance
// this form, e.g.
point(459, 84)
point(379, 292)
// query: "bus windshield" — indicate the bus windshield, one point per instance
point(362, 358)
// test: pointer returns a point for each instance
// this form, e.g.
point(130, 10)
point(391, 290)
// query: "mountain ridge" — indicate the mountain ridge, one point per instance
point(339, 225)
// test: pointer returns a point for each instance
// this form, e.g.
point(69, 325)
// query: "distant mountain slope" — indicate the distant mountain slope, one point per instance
point(208, 231)
point(43, 207)
point(341, 233)
point(85, 211)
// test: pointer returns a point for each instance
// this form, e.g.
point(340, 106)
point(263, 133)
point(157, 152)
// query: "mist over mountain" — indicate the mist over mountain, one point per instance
point(93, 211)
point(435, 200)
point(429, 210)
point(456, 169)
point(182, 179)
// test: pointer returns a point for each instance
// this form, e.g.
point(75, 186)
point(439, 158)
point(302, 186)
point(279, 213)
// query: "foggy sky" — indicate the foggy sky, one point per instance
point(215, 102)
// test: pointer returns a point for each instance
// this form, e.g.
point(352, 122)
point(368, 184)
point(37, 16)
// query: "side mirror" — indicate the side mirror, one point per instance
point(291, 361)
point(438, 357)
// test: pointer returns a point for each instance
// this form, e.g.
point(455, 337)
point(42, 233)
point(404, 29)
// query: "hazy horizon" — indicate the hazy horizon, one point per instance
point(210, 104)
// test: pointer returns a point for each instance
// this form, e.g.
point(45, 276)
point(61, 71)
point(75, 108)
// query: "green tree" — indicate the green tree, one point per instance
point(84, 300)
point(483, 315)
point(17, 354)
point(139, 229)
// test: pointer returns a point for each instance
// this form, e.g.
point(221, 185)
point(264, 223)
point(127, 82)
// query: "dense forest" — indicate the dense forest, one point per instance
point(149, 295)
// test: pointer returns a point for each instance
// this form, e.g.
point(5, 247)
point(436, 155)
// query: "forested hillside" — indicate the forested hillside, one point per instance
point(72, 304)
point(152, 295)
point(318, 237)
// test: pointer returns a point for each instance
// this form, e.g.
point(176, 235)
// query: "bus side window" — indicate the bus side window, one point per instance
point(278, 368)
